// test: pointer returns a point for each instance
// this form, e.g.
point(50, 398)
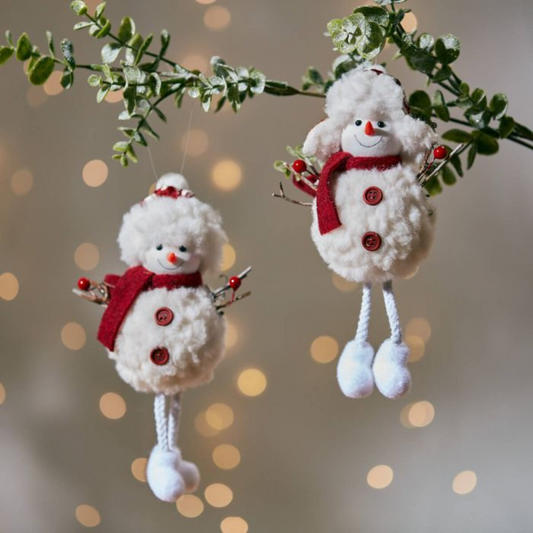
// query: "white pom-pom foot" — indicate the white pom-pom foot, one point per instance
point(190, 474)
point(391, 374)
point(163, 476)
point(354, 371)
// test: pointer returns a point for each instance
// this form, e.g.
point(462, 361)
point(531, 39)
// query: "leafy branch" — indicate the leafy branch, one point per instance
point(146, 77)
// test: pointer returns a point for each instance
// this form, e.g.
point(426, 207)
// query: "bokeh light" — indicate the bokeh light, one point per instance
point(205, 2)
point(417, 347)
point(95, 173)
point(380, 477)
point(219, 416)
point(53, 86)
point(417, 414)
point(409, 22)
point(195, 62)
point(324, 349)
point(86, 256)
point(232, 334)
point(218, 495)
point(217, 18)
point(196, 143)
point(2, 394)
point(22, 182)
point(112, 405)
point(341, 284)
point(234, 524)
point(226, 456)
point(87, 515)
point(464, 482)
point(114, 97)
point(190, 506)
point(227, 175)
point(229, 256)
point(73, 336)
point(419, 327)
point(138, 469)
point(201, 425)
point(9, 286)
point(252, 382)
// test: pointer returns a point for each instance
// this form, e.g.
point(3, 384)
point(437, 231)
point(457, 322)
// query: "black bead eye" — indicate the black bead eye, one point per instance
point(159, 247)
point(358, 122)
point(183, 248)
point(381, 124)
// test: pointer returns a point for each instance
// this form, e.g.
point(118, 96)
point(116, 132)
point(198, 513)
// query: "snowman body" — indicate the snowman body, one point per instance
point(387, 225)
point(171, 340)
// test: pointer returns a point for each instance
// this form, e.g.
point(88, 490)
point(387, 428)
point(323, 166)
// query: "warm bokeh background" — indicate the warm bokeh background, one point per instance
point(307, 454)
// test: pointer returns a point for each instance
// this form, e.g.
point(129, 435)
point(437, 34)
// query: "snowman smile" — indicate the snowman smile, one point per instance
point(368, 146)
point(175, 268)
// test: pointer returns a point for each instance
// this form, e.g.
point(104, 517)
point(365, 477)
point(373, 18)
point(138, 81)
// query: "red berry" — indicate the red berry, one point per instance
point(84, 284)
point(440, 152)
point(299, 166)
point(234, 282)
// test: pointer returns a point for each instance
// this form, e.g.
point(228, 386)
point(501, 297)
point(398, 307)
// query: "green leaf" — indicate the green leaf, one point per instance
point(485, 144)
point(67, 80)
point(154, 82)
point(376, 14)
point(94, 80)
point(420, 99)
point(471, 156)
point(129, 96)
point(51, 46)
point(440, 107)
point(5, 53)
point(100, 8)
point(443, 74)
point(159, 113)
point(24, 47)
point(78, 7)
point(126, 30)
point(417, 58)
point(150, 131)
point(130, 152)
point(104, 32)
point(464, 88)
point(433, 186)
point(67, 48)
point(82, 25)
point(41, 70)
point(498, 105)
point(121, 146)
point(447, 175)
point(456, 162)
point(387, 2)
point(110, 52)
point(457, 136)
point(9, 39)
point(143, 48)
point(165, 42)
point(102, 93)
point(447, 48)
point(507, 126)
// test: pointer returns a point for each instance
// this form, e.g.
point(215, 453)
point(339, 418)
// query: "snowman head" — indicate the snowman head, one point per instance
point(172, 232)
point(369, 117)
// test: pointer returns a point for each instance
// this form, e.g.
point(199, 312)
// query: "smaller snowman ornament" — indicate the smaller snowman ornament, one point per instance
point(371, 219)
point(163, 327)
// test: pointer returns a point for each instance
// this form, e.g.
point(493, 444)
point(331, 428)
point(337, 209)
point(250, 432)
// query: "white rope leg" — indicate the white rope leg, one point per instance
point(364, 315)
point(161, 426)
point(392, 313)
point(174, 420)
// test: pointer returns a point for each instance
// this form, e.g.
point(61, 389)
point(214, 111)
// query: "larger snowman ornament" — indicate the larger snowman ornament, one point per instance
point(372, 222)
point(163, 327)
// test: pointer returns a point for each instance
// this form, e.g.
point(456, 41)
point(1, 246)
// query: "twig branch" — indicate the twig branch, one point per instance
point(282, 195)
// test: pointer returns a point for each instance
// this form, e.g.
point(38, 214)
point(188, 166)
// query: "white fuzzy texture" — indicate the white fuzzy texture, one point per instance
point(163, 476)
point(391, 374)
point(401, 219)
point(354, 371)
point(363, 94)
point(168, 221)
point(194, 339)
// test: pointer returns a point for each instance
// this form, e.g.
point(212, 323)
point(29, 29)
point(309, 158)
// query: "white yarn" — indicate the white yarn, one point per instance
point(174, 420)
point(364, 315)
point(392, 313)
point(161, 421)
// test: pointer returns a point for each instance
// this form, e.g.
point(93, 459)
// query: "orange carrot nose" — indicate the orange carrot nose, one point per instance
point(369, 129)
point(172, 258)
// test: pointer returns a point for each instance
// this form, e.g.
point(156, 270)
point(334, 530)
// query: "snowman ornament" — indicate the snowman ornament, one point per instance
point(162, 326)
point(371, 219)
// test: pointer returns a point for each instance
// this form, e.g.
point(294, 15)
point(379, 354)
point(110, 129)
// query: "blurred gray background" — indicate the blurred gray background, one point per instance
point(306, 451)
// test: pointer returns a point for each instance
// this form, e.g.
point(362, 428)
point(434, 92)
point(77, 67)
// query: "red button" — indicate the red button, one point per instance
point(159, 356)
point(373, 196)
point(371, 241)
point(164, 316)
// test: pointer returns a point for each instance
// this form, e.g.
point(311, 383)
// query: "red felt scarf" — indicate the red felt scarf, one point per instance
point(126, 288)
point(328, 217)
